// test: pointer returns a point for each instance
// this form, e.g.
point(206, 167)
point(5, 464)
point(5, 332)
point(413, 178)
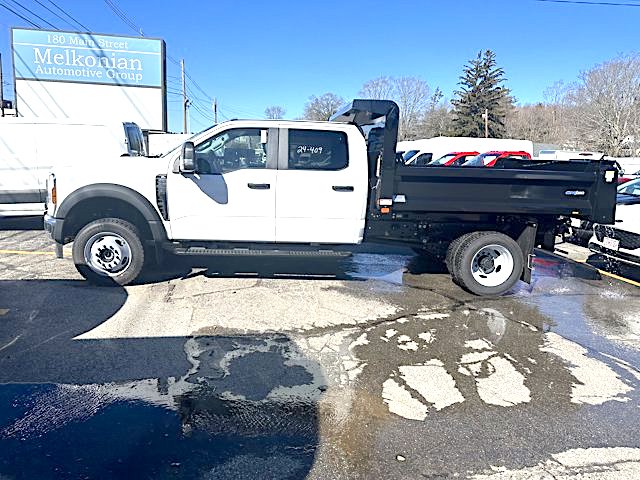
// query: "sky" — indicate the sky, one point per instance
point(254, 54)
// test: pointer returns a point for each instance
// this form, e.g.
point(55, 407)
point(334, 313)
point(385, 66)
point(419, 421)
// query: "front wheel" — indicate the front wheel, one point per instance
point(108, 252)
point(488, 263)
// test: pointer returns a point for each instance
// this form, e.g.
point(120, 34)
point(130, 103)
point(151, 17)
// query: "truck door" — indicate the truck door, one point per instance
point(231, 196)
point(322, 187)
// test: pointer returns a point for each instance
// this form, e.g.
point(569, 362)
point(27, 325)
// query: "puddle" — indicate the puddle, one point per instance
point(247, 408)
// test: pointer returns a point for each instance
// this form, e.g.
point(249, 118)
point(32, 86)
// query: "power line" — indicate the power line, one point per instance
point(202, 113)
point(18, 15)
point(124, 17)
point(34, 14)
point(585, 2)
point(54, 13)
point(132, 24)
point(85, 28)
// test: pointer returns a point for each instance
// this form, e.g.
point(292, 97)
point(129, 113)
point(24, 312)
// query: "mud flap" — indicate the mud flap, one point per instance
point(527, 242)
point(59, 253)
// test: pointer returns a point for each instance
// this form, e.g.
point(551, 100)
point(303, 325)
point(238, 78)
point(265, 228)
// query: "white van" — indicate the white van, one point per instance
point(568, 155)
point(421, 152)
point(30, 148)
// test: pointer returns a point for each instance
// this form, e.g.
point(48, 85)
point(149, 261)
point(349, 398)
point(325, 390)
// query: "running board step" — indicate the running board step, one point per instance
point(249, 252)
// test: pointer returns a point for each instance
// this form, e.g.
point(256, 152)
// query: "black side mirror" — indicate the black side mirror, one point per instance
point(188, 158)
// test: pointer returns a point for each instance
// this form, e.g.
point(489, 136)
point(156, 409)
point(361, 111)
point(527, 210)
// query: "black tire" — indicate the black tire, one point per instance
point(452, 251)
point(128, 264)
point(478, 242)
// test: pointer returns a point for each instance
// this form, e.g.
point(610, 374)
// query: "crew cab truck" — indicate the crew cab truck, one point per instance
point(311, 188)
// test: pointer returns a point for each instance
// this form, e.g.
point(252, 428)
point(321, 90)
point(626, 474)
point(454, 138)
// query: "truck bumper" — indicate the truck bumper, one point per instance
point(53, 226)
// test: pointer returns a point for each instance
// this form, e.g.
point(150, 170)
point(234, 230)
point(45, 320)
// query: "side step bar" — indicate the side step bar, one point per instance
point(250, 252)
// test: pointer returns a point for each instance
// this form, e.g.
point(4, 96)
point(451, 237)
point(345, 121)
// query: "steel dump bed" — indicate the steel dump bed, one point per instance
point(526, 188)
point(584, 189)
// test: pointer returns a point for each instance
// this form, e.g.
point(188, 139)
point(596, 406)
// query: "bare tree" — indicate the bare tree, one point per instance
point(321, 108)
point(274, 112)
point(605, 105)
point(531, 122)
point(558, 111)
point(410, 93)
point(381, 88)
point(437, 118)
point(545, 122)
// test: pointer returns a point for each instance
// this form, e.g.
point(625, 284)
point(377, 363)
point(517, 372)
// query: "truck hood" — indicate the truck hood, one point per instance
point(109, 168)
point(625, 199)
point(628, 218)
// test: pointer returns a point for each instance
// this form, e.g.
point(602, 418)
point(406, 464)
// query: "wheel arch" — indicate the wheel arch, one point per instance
point(92, 202)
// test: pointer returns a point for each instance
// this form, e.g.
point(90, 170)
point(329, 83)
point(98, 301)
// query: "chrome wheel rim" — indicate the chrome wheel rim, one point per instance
point(492, 265)
point(107, 254)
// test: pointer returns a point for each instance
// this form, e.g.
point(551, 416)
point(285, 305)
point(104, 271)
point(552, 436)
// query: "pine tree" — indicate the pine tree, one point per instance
point(481, 88)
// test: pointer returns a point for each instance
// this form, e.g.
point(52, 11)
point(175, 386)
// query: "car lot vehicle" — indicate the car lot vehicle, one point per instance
point(489, 159)
point(626, 177)
point(438, 146)
point(30, 148)
point(568, 155)
point(621, 240)
point(453, 159)
point(419, 160)
point(274, 187)
point(581, 230)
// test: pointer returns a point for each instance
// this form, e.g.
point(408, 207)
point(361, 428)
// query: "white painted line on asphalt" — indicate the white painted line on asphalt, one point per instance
point(24, 252)
point(28, 252)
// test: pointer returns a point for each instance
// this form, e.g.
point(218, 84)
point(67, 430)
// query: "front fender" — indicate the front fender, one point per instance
point(114, 192)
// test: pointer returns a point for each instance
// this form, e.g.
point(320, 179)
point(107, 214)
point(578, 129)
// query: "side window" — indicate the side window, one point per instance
point(423, 159)
point(317, 150)
point(135, 148)
point(232, 150)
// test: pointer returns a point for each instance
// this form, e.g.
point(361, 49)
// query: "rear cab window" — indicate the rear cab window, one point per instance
point(317, 150)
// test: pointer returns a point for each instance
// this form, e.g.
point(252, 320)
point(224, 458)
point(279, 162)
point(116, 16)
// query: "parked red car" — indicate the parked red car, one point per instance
point(453, 159)
point(489, 159)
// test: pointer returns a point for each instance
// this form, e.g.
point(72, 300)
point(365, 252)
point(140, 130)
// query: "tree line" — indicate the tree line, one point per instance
point(600, 110)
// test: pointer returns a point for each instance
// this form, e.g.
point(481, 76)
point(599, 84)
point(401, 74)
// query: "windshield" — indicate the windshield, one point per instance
point(487, 158)
point(630, 188)
point(481, 160)
point(190, 139)
point(407, 155)
point(443, 159)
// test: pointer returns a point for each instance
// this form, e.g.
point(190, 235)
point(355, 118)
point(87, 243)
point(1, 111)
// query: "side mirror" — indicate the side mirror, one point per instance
point(188, 158)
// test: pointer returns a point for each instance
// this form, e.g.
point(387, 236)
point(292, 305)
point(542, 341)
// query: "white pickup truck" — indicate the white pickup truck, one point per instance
point(256, 187)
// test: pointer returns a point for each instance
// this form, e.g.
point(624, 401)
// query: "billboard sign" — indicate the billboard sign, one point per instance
point(60, 73)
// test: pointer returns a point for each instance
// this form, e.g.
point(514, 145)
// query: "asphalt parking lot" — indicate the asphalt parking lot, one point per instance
point(374, 366)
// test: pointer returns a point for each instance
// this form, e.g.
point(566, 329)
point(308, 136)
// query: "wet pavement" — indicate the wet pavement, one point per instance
point(373, 366)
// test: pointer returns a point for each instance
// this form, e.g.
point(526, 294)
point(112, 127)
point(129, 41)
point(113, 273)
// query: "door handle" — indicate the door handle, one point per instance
point(343, 188)
point(259, 186)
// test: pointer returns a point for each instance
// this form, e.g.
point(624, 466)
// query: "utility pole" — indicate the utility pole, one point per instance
point(1, 90)
point(215, 110)
point(185, 100)
point(485, 115)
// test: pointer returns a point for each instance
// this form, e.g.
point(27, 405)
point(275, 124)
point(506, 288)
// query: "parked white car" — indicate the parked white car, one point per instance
point(621, 241)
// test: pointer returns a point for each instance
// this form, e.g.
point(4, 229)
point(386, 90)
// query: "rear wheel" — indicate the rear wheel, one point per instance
point(452, 251)
point(109, 252)
point(487, 263)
